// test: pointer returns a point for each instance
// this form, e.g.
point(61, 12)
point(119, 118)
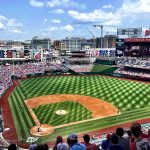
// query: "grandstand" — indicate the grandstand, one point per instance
point(115, 91)
point(134, 68)
point(31, 89)
point(82, 82)
point(78, 57)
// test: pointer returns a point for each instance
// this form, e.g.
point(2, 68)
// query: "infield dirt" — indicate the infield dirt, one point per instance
point(99, 108)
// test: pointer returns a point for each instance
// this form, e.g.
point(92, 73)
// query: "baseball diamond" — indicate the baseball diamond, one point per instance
point(131, 98)
point(78, 108)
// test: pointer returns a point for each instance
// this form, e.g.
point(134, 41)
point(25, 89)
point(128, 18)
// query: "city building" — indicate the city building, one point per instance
point(70, 44)
point(27, 49)
point(40, 47)
point(11, 51)
point(108, 41)
point(41, 43)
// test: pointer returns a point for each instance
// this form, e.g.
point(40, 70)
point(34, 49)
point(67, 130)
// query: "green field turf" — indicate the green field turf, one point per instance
point(100, 68)
point(75, 112)
point(132, 99)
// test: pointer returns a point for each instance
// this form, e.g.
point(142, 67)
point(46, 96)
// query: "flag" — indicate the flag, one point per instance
point(37, 55)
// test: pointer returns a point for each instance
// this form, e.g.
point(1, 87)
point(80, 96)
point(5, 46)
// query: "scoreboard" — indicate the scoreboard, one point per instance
point(120, 46)
point(130, 32)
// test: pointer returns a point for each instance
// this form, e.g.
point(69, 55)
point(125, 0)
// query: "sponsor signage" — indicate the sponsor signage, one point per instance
point(137, 40)
point(147, 32)
point(120, 44)
point(133, 32)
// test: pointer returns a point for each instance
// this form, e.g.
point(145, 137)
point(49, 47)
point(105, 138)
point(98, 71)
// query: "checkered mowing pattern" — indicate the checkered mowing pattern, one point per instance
point(132, 99)
point(126, 95)
point(75, 112)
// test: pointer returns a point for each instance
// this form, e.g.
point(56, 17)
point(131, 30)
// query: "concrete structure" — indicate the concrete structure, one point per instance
point(70, 44)
point(40, 46)
point(41, 43)
point(75, 44)
point(108, 41)
point(27, 49)
point(10, 51)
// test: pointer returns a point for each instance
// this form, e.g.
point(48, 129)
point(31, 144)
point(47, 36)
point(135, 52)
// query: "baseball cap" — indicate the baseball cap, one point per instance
point(59, 138)
point(73, 136)
point(108, 136)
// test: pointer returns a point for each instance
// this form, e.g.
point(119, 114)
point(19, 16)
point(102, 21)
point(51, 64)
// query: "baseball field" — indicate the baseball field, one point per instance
point(76, 104)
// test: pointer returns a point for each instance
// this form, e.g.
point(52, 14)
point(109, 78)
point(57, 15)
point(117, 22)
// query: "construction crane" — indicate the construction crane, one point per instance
point(93, 38)
point(102, 27)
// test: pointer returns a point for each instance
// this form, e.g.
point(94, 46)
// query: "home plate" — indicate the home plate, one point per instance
point(41, 130)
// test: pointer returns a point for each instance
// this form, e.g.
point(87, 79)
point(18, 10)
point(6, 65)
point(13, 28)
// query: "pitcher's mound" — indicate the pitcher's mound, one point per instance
point(42, 130)
point(61, 112)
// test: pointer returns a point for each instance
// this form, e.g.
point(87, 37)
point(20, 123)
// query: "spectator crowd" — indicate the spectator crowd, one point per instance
point(21, 70)
point(133, 67)
point(131, 139)
point(132, 72)
point(81, 68)
point(133, 62)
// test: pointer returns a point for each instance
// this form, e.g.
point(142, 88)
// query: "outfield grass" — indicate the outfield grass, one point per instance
point(132, 99)
point(21, 116)
point(103, 68)
point(99, 68)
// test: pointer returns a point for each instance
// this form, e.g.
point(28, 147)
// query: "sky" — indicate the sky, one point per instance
point(57, 19)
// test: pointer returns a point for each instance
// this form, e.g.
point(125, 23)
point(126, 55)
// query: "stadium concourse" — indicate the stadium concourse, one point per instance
point(22, 70)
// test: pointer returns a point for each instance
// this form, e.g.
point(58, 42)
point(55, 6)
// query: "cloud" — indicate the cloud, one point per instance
point(57, 3)
point(51, 29)
point(134, 11)
point(59, 11)
point(1, 26)
point(15, 31)
point(36, 3)
point(95, 16)
point(12, 23)
point(142, 6)
point(45, 21)
point(64, 3)
point(3, 17)
point(67, 27)
point(56, 11)
point(56, 21)
point(107, 6)
point(131, 11)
